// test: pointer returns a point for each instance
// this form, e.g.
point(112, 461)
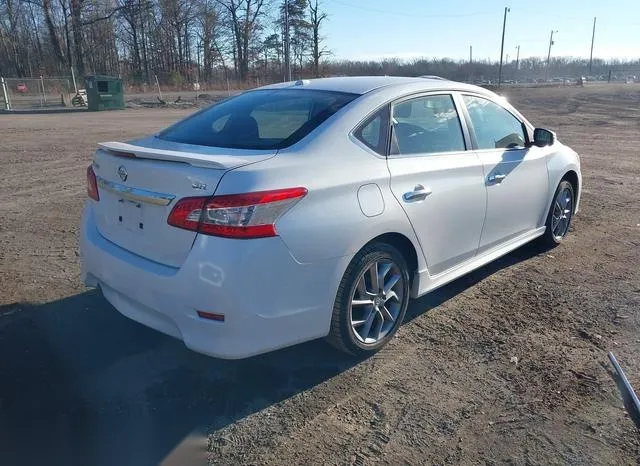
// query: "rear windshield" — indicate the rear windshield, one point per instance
point(266, 119)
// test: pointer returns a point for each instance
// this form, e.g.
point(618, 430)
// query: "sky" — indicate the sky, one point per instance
point(375, 29)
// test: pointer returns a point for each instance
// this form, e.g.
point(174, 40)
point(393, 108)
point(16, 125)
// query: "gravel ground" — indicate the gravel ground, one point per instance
point(507, 364)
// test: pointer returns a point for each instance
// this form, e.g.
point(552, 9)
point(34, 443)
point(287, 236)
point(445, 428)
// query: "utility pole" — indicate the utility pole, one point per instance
point(517, 62)
point(470, 75)
point(199, 46)
point(593, 37)
point(287, 43)
point(546, 74)
point(504, 26)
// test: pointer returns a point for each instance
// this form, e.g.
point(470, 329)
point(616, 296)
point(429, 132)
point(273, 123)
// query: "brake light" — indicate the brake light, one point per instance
point(92, 184)
point(127, 155)
point(211, 316)
point(242, 216)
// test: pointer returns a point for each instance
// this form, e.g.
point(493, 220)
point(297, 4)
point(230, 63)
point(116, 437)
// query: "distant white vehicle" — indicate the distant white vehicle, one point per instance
point(317, 209)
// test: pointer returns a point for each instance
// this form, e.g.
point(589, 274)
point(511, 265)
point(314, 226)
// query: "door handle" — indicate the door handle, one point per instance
point(496, 178)
point(419, 193)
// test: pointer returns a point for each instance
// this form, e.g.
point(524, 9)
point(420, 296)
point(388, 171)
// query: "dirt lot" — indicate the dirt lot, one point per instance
point(80, 384)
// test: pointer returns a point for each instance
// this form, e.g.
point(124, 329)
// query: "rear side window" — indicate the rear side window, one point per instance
point(374, 132)
point(265, 119)
point(494, 126)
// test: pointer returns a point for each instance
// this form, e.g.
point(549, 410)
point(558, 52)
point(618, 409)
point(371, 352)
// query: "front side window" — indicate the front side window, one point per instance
point(265, 119)
point(494, 126)
point(426, 125)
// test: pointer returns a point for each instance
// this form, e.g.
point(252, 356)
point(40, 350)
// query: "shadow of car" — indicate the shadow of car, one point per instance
point(89, 386)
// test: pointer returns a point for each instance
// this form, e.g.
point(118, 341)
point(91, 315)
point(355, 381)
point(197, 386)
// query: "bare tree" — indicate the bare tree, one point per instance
point(208, 22)
point(174, 38)
point(53, 34)
point(178, 14)
point(316, 17)
point(133, 33)
point(244, 16)
point(299, 30)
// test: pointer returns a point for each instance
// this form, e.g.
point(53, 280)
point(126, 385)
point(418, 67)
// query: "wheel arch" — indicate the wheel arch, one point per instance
point(406, 248)
point(563, 163)
point(572, 177)
point(570, 174)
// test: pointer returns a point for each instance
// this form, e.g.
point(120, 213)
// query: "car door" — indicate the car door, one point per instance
point(438, 182)
point(515, 174)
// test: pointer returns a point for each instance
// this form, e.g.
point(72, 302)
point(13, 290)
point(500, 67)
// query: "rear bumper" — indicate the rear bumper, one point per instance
point(268, 298)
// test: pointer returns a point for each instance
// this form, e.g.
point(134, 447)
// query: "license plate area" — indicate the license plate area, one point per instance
point(130, 215)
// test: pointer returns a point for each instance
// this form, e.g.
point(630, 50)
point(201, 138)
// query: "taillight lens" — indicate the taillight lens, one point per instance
point(244, 216)
point(92, 184)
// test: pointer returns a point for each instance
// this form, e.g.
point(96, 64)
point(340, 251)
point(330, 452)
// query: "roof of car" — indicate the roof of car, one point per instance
point(364, 84)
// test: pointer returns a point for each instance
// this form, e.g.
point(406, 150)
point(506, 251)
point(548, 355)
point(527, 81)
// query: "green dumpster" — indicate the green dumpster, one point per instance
point(104, 93)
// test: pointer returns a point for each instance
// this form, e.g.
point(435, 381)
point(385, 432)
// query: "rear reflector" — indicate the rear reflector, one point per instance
point(92, 184)
point(242, 216)
point(211, 316)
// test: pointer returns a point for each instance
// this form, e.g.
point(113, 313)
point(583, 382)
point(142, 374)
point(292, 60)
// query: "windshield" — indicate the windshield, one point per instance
point(265, 119)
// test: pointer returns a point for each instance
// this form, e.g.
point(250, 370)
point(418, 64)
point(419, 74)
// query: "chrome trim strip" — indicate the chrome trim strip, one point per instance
point(135, 194)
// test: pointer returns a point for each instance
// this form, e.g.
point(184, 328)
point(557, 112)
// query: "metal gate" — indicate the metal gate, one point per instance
point(33, 93)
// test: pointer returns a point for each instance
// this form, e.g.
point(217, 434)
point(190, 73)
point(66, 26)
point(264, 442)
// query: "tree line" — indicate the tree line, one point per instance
point(246, 42)
point(177, 40)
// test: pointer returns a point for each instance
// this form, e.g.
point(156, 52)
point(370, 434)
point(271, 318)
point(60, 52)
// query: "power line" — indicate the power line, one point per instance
point(411, 15)
point(552, 15)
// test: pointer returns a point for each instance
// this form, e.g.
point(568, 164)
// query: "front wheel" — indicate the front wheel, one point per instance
point(560, 214)
point(372, 300)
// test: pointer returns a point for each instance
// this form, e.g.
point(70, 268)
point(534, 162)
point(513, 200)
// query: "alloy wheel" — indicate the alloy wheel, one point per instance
point(561, 215)
point(377, 301)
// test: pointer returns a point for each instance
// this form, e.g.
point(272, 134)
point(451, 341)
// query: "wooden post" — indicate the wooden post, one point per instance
point(7, 103)
point(73, 76)
point(44, 94)
point(158, 86)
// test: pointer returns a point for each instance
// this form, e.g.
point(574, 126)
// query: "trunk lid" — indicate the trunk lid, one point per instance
point(140, 182)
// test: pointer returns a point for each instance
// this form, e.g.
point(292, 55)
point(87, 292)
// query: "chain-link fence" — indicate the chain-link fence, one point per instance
point(33, 93)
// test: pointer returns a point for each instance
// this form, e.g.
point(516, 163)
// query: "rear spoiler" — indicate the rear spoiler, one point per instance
point(219, 162)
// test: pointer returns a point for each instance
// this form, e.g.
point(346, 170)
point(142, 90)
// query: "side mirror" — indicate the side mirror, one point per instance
point(543, 137)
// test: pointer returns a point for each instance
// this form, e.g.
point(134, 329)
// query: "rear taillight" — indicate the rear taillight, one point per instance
point(92, 184)
point(250, 215)
point(127, 155)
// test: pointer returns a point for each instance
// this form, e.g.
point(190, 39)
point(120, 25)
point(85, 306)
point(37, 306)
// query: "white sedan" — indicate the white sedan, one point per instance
point(318, 209)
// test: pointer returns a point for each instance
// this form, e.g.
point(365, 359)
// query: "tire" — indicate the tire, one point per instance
point(561, 209)
point(362, 329)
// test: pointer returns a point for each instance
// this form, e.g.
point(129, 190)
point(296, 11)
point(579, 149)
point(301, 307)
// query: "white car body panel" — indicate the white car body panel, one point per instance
point(430, 282)
point(274, 308)
point(280, 291)
point(514, 204)
point(562, 159)
point(448, 221)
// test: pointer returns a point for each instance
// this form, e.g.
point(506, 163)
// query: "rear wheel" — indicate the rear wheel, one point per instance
point(560, 215)
point(372, 300)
